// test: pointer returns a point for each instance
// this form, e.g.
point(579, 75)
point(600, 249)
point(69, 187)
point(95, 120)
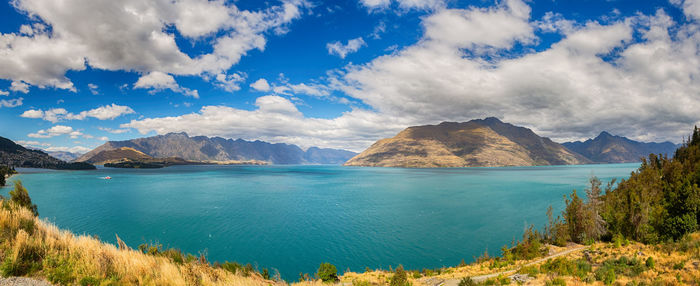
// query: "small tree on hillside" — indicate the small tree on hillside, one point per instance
point(327, 272)
point(20, 196)
point(595, 225)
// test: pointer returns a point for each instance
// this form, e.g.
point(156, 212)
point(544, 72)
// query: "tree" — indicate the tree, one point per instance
point(327, 272)
point(400, 278)
point(575, 215)
point(595, 225)
point(20, 196)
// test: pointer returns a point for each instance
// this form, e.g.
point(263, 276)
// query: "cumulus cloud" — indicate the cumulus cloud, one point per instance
point(4, 93)
point(32, 143)
point(374, 5)
point(18, 86)
point(58, 114)
point(113, 131)
point(276, 119)
point(260, 85)
point(158, 81)
point(133, 36)
point(93, 88)
point(337, 48)
point(73, 149)
point(11, 102)
point(229, 82)
point(56, 130)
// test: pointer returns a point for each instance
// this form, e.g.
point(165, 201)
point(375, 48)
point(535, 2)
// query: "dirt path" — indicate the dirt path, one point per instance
point(482, 278)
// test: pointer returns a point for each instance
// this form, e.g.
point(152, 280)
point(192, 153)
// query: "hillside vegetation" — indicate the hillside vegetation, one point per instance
point(33, 247)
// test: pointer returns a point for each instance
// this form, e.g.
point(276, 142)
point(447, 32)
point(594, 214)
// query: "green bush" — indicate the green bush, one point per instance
point(400, 278)
point(20, 196)
point(467, 281)
point(558, 281)
point(59, 271)
point(327, 272)
point(531, 271)
point(650, 262)
point(679, 266)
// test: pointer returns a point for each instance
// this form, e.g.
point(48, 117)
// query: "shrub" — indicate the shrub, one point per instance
point(360, 283)
point(20, 196)
point(327, 272)
point(467, 281)
point(679, 266)
point(400, 278)
point(650, 262)
point(529, 270)
point(558, 281)
point(59, 271)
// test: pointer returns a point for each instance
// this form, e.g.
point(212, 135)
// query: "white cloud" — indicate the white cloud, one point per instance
point(93, 88)
point(133, 35)
point(32, 143)
point(691, 8)
point(260, 85)
point(104, 138)
point(337, 48)
point(11, 102)
point(3, 92)
point(74, 149)
point(276, 119)
point(18, 86)
point(373, 5)
point(57, 114)
point(158, 81)
point(54, 131)
point(229, 82)
point(113, 131)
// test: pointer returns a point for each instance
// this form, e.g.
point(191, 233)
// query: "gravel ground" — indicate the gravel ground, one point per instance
point(22, 281)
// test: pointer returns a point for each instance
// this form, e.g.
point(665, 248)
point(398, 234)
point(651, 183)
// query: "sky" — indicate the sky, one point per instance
point(343, 74)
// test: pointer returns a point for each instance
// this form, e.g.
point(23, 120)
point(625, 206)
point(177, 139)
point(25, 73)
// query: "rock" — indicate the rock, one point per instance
point(520, 278)
point(22, 281)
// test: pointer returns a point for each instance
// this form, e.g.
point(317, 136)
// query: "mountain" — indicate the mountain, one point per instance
point(608, 148)
point(477, 143)
point(217, 149)
point(119, 154)
point(12, 154)
point(63, 155)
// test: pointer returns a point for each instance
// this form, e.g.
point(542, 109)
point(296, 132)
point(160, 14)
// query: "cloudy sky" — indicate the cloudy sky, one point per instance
point(343, 74)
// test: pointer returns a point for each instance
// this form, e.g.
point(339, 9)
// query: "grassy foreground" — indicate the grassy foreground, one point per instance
point(36, 248)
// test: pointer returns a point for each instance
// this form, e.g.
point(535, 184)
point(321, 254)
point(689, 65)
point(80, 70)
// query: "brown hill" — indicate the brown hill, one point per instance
point(119, 154)
point(477, 143)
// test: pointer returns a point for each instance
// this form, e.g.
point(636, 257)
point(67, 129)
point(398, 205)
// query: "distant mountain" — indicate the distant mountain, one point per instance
point(12, 154)
point(119, 154)
point(63, 155)
point(205, 149)
point(477, 143)
point(607, 148)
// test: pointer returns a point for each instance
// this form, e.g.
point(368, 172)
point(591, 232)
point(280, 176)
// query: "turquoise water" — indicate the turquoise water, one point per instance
point(292, 218)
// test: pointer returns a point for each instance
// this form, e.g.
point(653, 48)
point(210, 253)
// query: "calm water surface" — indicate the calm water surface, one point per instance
point(292, 218)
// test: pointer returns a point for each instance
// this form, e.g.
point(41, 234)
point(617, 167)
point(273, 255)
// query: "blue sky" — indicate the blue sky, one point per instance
point(343, 74)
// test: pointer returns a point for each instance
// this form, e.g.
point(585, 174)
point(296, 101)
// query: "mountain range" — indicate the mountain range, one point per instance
point(217, 149)
point(477, 143)
point(490, 142)
point(608, 148)
point(12, 154)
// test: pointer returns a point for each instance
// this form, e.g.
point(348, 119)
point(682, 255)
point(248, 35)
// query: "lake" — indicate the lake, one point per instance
point(292, 218)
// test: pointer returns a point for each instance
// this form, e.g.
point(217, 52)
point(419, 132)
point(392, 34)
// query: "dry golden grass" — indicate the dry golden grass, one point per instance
point(83, 256)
